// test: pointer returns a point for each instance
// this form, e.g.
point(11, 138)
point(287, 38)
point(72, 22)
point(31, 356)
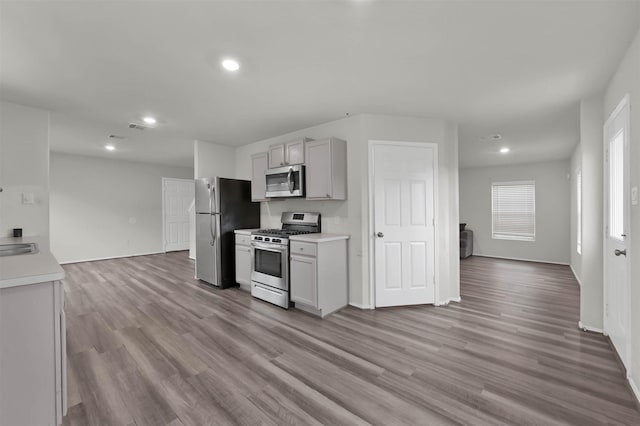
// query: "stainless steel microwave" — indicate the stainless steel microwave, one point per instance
point(285, 181)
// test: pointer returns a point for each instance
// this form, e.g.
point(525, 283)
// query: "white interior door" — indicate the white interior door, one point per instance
point(177, 196)
point(403, 182)
point(616, 216)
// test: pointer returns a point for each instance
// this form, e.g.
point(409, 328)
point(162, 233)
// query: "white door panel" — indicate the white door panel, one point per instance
point(616, 217)
point(404, 197)
point(177, 195)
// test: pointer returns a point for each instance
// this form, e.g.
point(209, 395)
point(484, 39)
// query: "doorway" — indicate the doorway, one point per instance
point(403, 183)
point(617, 308)
point(177, 197)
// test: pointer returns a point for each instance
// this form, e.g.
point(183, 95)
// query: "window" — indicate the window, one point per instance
point(579, 211)
point(513, 210)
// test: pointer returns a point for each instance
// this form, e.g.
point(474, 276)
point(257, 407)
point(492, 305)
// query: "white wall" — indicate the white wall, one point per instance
point(591, 271)
point(627, 80)
point(552, 210)
point(104, 208)
point(352, 216)
point(24, 167)
point(211, 159)
point(576, 259)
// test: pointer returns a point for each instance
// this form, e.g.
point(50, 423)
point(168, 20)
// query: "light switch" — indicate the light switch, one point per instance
point(28, 198)
point(634, 196)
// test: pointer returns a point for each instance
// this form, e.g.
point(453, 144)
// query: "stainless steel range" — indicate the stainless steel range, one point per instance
point(270, 256)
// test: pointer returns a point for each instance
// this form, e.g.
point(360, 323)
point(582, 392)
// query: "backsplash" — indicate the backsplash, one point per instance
point(334, 213)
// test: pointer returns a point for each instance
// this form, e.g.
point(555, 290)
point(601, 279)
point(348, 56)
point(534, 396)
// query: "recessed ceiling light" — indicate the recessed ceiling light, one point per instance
point(230, 65)
point(109, 147)
point(504, 150)
point(149, 120)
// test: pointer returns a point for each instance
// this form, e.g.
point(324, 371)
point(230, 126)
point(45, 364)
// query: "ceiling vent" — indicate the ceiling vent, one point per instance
point(137, 126)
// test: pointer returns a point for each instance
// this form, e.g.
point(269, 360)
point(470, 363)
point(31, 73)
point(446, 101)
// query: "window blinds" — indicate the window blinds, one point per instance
point(513, 206)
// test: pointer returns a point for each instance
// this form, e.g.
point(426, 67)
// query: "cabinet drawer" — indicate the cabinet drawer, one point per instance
point(307, 249)
point(244, 240)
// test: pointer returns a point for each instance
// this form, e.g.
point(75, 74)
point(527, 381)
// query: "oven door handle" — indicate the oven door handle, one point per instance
point(269, 247)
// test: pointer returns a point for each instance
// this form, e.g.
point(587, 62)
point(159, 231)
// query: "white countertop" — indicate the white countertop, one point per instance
point(245, 231)
point(320, 237)
point(25, 269)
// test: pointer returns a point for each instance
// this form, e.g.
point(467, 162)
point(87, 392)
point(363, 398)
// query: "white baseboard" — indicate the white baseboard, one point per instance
point(575, 275)
point(359, 306)
point(521, 259)
point(449, 300)
point(111, 257)
point(584, 327)
point(634, 388)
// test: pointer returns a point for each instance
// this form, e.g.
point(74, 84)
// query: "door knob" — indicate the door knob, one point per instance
point(380, 234)
point(620, 252)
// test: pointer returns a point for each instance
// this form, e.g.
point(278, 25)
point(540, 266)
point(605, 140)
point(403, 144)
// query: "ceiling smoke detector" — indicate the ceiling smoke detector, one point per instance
point(117, 137)
point(495, 137)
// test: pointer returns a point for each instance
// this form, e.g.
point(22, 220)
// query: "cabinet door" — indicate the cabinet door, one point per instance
point(294, 152)
point(276, 156)
point(258, 181)
point(243, 265)
point(304, 286)
point(319, 169)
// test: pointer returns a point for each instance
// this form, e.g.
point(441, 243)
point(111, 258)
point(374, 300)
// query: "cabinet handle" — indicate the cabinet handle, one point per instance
point(328, 196)
point(281, 163)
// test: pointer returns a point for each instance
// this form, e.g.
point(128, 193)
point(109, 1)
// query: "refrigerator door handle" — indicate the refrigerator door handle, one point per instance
point(212, 196)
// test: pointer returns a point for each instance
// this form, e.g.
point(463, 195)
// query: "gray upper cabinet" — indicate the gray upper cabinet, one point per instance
point(286, 154)
point(326, 169)
point(259, 164)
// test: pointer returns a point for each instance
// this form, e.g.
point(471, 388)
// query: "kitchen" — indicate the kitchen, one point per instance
point(100, 101)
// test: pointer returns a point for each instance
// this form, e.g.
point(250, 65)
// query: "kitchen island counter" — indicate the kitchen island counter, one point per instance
point(25, 269)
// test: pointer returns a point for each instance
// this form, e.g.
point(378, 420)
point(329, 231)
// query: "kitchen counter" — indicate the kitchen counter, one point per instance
point(320, 237)
point(245, 231)
point(25, 269)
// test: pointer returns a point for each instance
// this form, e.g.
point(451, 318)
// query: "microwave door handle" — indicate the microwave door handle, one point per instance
point(289, 180)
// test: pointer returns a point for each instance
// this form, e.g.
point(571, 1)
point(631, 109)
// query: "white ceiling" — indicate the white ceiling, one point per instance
point(511, 67)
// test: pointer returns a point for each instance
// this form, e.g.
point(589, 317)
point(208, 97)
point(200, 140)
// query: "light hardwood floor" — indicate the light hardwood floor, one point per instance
point(149, 345)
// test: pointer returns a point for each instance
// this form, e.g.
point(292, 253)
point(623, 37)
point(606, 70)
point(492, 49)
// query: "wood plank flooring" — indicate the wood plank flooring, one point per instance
point(149, 345)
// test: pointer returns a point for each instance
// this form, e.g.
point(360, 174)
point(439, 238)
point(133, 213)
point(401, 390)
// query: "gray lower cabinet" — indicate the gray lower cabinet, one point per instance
point(243, 261)
point(318, 273)
point(33, 366)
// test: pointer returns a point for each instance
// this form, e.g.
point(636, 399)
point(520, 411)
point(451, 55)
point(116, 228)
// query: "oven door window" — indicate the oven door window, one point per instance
point(268, 262)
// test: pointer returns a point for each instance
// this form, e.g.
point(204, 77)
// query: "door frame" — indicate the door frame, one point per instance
point(371, 238)
point(624, 103)
point(164, 236)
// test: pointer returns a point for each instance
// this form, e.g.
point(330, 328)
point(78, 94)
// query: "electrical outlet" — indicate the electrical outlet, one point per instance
point(634, 196)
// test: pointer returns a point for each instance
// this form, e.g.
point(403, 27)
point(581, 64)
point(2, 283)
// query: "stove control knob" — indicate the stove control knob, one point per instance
point(259, 238)
point(266, 239)
point(275, 240)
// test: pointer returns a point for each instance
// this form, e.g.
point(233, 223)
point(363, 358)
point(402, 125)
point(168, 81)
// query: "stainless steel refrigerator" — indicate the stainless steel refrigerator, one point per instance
point(222, 205)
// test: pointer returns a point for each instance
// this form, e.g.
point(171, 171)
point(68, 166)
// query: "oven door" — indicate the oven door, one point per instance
point(285, 182)
point(270, 265)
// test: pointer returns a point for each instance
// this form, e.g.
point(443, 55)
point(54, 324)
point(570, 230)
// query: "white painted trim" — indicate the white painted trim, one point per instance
point(575, 275)
point(449, 300)
point(113, 257)
point(634, 388)
point(436, 214)
point(522, 260)
point(359, 306)
point(584, 327)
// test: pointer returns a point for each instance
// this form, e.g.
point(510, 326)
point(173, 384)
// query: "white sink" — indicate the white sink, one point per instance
point(18, 249)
